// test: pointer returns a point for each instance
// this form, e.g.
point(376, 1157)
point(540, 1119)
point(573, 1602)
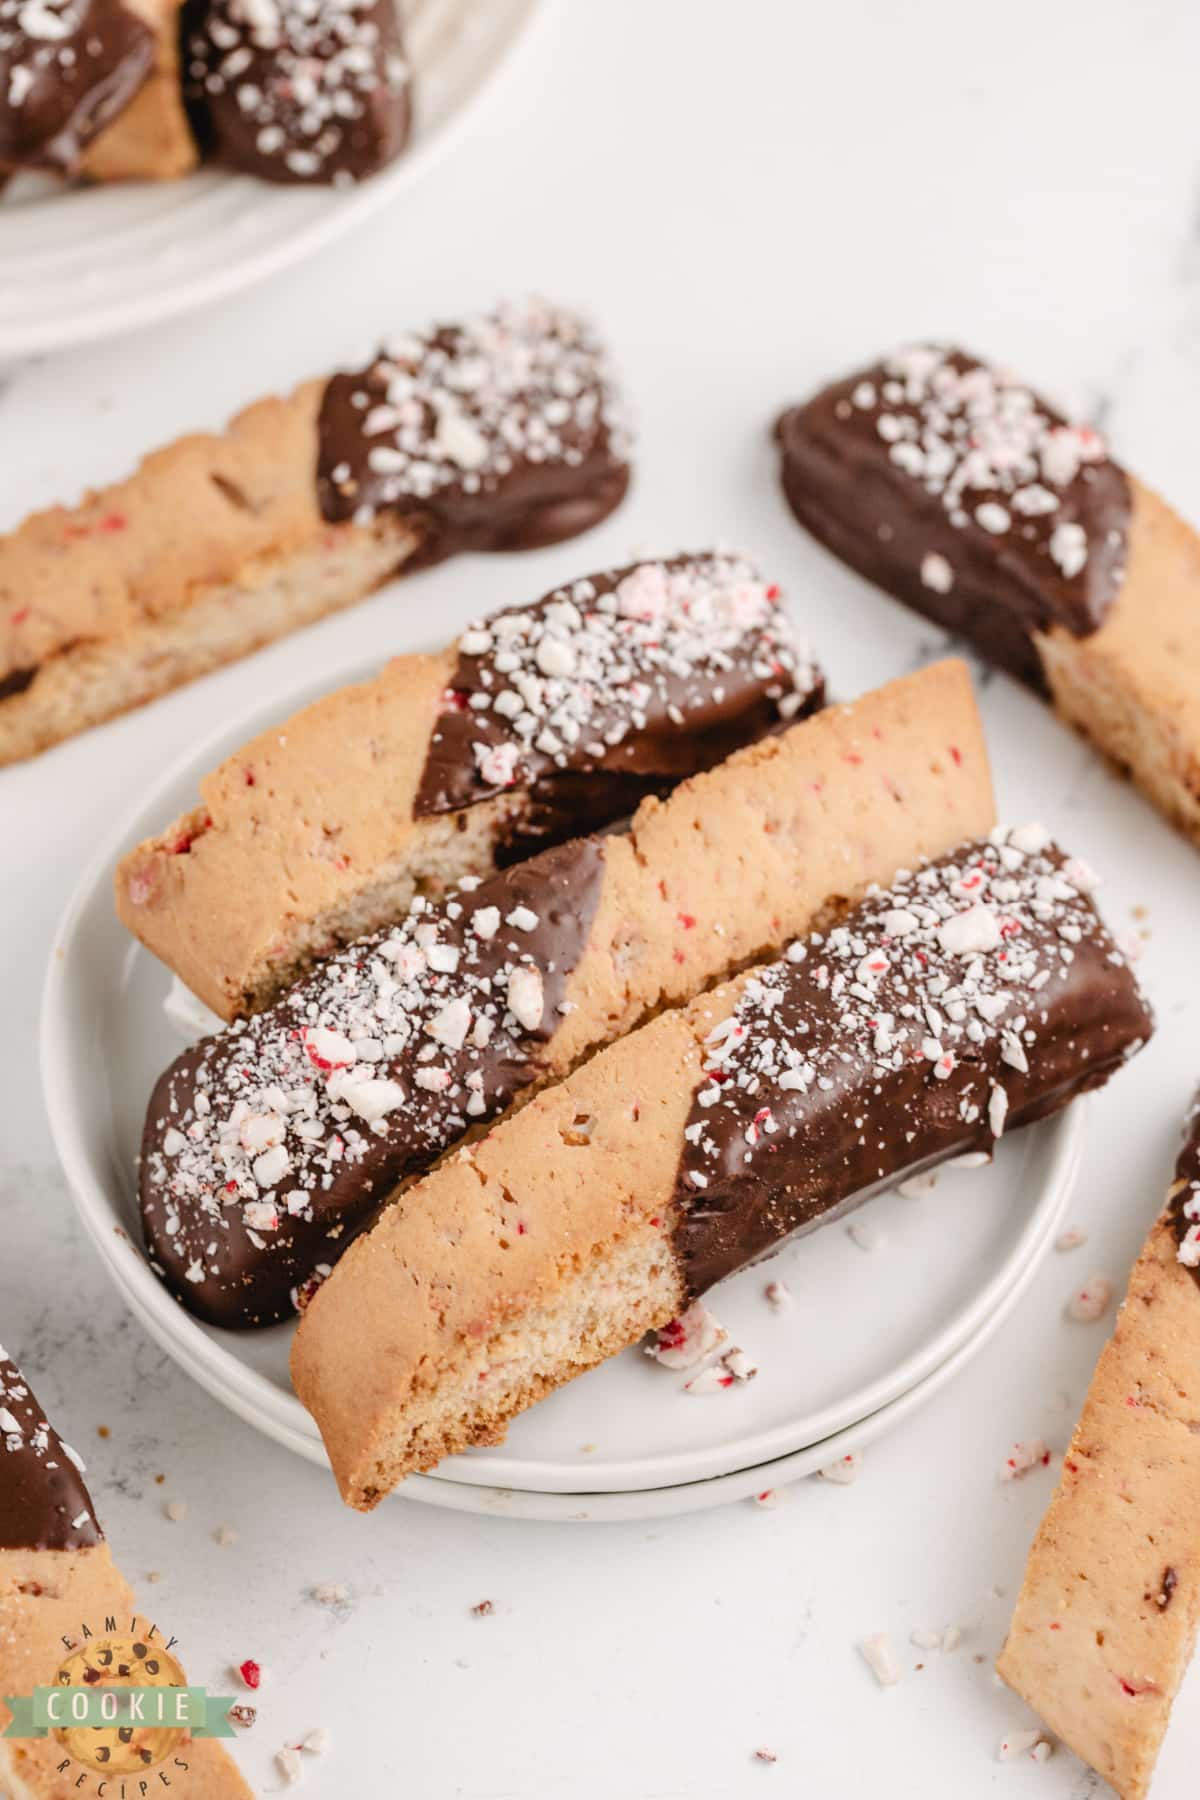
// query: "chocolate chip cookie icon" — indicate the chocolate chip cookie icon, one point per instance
point(121, 1748)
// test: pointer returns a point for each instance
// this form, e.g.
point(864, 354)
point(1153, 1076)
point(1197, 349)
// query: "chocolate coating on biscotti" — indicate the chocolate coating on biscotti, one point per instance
point(1183, 1202)
point(268, 1147)
point(614, 686)
point(67, 67)
point(963, 493)
point(298, 90)
point(978, 991)
point(44, 1504)
point(503, 432)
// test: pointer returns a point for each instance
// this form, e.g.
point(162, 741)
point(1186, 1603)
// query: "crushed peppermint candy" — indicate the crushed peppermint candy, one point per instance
point(733, 1367)
point(1091, 1301)
point(463, 409)
point(1031, 1453)
point(687, 1340)
point(880, 1658)
point(1023, 1743)
point(844, 1472)
point(595, 674)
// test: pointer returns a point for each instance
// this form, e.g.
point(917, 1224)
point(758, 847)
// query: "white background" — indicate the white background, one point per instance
point(750, 198)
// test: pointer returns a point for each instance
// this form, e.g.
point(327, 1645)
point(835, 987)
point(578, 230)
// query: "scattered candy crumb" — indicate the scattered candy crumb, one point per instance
point(925, 1640)
point(225, 1535)
point(287, 1761)
point(878, 1655)
point(867, 1237)
point(331, 1593)
point(843, 1471)
point(1070, 1240)
point(1034, 1454)
point(951, 1639)
point(1091, 1301)
point(250, 1673)
point(688, 1339)
point(765, 1756)
point(483, 1609)
point(1023, 1743)
point(768, 1498)
point(243, 1715)
point(176, 1510)
point(734, 1366)
point(779, 1295)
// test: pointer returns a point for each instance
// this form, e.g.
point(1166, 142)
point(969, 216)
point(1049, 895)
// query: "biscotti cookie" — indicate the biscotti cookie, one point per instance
point(297, 92)
point(268, 1147)
point(502, 432)
point(960, 491)
point(150, 139)
point(1106, 1621)
point(542, 722)
point(975, 994)
point(57, 1578)
point(67, 68)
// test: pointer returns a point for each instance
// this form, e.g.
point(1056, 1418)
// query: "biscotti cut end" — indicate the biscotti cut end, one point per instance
point(1131, 686)
point(508, 1231)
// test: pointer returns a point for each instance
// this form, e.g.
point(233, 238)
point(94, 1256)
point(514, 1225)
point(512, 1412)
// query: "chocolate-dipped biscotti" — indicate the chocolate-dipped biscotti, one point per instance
point(268, 1147)
point(541, 722)
point(295, 91)
point(57, 1577)
point(963, 493)
point(1106, 1621)
point(975, 994)
point(502, 432)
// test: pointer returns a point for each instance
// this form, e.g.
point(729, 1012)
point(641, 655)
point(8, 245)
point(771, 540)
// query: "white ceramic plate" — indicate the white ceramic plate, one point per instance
point(80, 264)
point(740, 1484)
point(865, 1326)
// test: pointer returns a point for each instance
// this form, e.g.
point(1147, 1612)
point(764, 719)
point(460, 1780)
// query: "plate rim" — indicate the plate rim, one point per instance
point(90, 323)
point(603, 1508)
point(253, 1395)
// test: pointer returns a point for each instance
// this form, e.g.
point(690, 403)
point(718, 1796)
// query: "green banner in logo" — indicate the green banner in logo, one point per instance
point(162, 1708)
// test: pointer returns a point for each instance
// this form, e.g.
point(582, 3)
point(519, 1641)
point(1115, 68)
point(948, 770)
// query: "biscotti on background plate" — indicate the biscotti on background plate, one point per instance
point(267, 1147)
point(1106, 1621)
point(541, 722)
point(951, 484)
point(58, 1581)
point(974, 994)
point(501, 432)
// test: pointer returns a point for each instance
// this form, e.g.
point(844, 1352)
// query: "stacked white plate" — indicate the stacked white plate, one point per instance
point(879, 1313)
point(82, 263)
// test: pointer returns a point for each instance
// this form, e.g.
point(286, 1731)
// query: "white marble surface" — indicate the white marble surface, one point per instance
point(749, 199)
